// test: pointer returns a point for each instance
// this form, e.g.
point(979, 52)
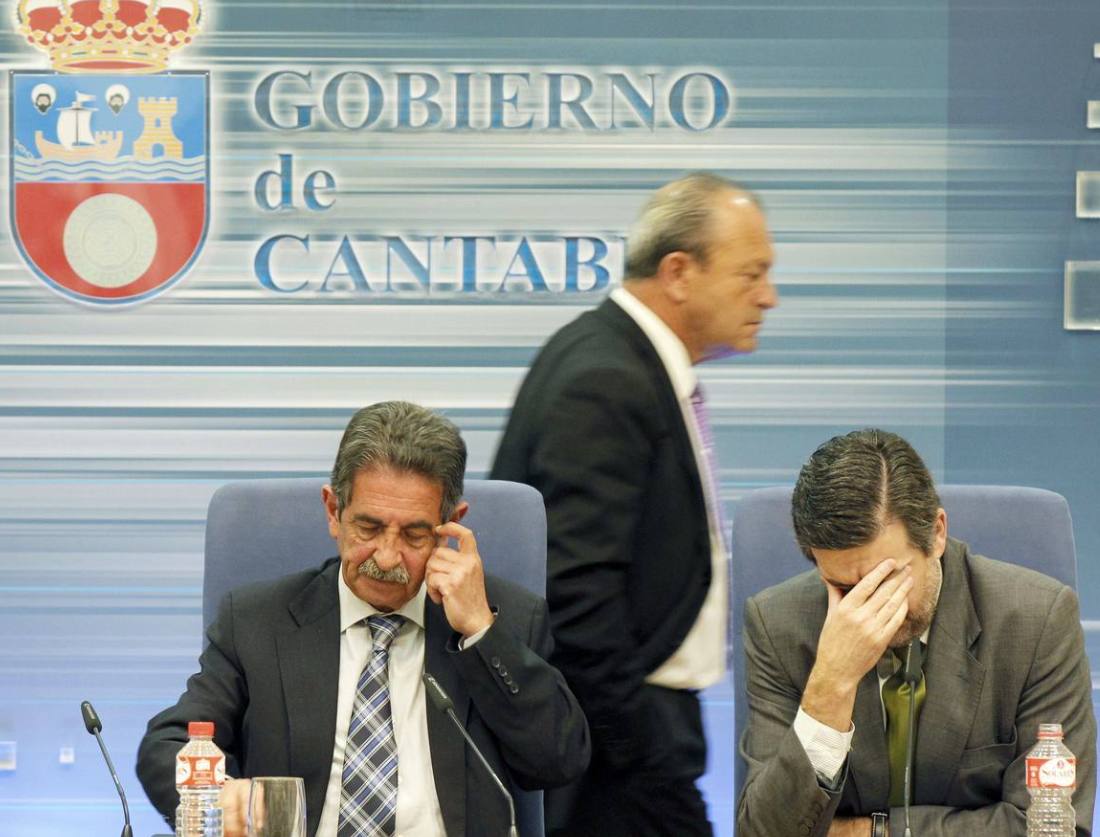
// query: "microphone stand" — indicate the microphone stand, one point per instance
point(443, 703)
point(94, 725)
point(911, 675)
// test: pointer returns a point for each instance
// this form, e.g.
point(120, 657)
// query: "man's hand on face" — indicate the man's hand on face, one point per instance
point(858, 627)
point(234, 802)
point(455, 579)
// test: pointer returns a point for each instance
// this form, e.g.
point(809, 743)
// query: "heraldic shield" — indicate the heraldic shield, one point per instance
point(109, 179)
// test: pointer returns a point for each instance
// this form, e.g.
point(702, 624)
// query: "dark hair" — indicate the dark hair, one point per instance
point(854, 485)
point(677, 219)
point(405, 437)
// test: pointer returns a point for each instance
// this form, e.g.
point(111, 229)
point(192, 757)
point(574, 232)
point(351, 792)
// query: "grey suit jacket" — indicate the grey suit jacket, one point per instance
point(1005, 653)
point(268, 679)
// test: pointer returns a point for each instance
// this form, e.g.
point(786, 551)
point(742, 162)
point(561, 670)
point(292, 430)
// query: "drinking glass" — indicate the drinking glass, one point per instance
point(277, 807)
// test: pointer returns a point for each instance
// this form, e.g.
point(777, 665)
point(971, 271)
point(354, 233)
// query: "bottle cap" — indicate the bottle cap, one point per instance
point(200, 729)
point(1050, 730)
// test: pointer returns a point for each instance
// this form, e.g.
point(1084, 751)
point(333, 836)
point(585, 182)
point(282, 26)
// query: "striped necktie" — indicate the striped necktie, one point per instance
point(368, 800)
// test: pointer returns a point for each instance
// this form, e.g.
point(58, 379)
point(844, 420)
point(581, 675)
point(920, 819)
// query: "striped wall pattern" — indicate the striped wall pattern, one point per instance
point(896, 239)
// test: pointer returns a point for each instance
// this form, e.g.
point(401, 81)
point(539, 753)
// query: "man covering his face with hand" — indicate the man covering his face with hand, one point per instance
point(828, 726)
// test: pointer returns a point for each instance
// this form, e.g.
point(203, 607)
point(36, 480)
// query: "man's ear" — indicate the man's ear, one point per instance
point(459, 512)
point(939, 533)
point(674, 275)
point(332, 510)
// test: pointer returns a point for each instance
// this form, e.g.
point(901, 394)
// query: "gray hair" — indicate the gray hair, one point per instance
point(854, 485)
point(407, 438)
point(677, 219)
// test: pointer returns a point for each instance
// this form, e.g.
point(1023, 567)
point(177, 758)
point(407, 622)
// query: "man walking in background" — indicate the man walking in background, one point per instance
point(610, 426)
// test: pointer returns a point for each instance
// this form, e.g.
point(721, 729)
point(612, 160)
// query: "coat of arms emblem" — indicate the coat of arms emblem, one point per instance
point(109, 150)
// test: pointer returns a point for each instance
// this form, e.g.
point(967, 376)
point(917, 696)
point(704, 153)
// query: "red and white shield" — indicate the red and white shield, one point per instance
point(110, 180)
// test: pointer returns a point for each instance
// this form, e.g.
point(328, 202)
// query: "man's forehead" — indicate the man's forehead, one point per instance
point(394, 488)
point(738, 220)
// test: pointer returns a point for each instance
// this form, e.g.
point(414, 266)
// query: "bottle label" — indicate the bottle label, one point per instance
point(199, 771)
point(1056, 772)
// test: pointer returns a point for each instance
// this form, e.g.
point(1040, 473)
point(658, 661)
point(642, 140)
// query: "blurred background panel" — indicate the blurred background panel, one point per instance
point(918, 160)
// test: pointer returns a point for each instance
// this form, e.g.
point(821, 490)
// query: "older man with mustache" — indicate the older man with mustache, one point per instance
point(318, 674)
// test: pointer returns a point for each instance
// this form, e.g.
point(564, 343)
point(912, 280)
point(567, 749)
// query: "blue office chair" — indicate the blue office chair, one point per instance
point(263, 529)
point(1026, 526)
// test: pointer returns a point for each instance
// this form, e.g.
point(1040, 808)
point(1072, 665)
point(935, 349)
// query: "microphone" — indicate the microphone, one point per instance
point(911, 674)
point(442, 701)
point(94, 725)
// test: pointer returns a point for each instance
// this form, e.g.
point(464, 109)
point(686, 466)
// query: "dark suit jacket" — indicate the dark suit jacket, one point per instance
point(596, 428)
point(268, 681)
point(1005, 653)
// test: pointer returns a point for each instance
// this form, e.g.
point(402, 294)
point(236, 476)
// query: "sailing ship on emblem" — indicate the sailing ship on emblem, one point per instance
point(78, 142)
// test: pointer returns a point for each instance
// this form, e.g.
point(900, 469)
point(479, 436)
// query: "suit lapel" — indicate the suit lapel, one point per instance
point(868, 771)
point(446, 744)
point(954, 681)
point(309, 667)
point(613, 314)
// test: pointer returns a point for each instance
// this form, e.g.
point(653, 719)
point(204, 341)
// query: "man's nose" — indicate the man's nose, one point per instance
point(769, 297)
point(387, 555)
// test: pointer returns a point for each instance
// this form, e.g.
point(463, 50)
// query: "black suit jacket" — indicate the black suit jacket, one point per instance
point(268, 680)
point(597, 429)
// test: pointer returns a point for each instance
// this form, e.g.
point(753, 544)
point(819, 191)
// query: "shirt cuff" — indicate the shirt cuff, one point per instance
point(825, 747)
point(472, 640)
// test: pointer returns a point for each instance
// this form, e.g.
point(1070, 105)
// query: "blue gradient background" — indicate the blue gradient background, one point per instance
point(917, 158)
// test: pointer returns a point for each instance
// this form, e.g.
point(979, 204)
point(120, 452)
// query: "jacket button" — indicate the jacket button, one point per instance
point(494, 662)
point(503, 672)
point(514, 690)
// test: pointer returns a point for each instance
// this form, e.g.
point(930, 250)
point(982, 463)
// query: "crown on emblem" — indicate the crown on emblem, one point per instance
point(109, 36)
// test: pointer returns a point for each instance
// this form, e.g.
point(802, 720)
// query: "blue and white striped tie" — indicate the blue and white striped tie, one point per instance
point(368, 800)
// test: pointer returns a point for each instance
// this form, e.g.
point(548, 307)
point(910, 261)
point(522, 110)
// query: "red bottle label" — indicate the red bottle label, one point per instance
point(1057, 772)
point(199, 771)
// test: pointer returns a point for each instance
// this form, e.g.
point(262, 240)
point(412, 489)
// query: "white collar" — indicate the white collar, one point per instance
point(670, 348)
point(354, 610)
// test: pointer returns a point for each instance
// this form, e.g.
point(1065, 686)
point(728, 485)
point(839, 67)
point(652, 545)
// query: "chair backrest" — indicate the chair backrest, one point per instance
point(262, 529)
point(1026, 526)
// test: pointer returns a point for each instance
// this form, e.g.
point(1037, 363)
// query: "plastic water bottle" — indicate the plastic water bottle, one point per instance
point(1051, 778)
point(200, 774)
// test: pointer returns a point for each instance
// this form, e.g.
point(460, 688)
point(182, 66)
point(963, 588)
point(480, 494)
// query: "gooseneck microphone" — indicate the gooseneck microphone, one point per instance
point(911, 674)
point(443, 703)
point(93, 725)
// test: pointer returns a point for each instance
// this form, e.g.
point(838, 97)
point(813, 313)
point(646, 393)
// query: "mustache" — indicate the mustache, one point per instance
point(396, 575)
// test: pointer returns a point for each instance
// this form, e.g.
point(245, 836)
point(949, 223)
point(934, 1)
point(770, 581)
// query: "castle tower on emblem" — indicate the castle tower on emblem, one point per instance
point(158, 139)
point(109, 154)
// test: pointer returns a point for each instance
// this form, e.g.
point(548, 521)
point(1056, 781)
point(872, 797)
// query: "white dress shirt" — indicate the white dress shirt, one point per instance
point(700, 661)
point(418, 813)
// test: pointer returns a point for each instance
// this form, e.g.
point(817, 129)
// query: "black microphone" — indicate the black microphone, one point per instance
point(94, 725)
point(911, 674)
point(443, 703)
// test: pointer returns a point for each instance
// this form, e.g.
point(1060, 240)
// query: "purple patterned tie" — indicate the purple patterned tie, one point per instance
point(714, 505)
point(702, 422)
